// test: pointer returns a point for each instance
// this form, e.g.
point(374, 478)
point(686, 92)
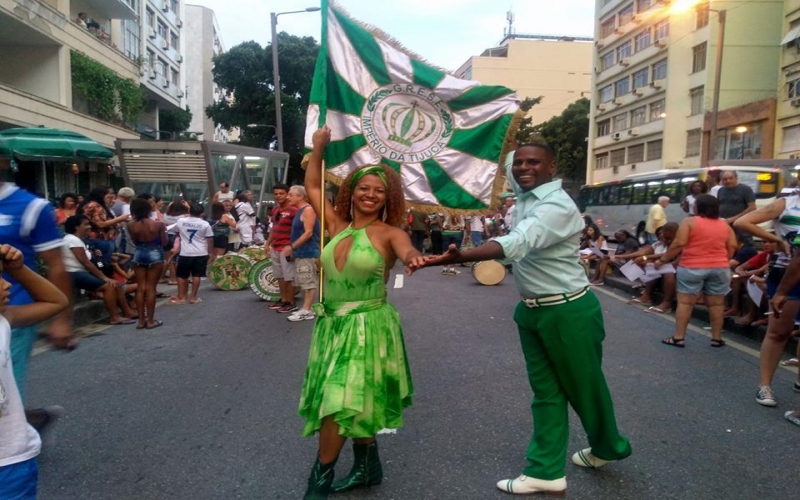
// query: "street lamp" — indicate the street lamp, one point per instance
point(277, 78)
point(685, 5)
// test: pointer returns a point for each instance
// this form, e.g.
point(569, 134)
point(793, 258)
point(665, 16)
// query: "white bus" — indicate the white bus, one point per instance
point(624, 204)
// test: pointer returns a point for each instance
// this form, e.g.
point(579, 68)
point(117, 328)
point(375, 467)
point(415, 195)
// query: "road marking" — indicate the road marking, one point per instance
point(387, 431)
point(740, 347)
point(398, 280)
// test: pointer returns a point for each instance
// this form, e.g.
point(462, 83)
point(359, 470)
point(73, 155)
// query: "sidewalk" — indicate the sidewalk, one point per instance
point(700, 313)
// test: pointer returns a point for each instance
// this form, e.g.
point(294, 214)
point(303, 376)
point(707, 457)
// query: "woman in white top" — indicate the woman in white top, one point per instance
point(696, 188)
point(86, 276)
point(19, 442)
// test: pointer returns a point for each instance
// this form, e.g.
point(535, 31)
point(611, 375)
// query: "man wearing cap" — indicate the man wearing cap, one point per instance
point(563, 358)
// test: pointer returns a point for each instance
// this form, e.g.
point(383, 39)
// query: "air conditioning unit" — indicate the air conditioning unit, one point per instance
point(165, 83)
point(616, 136)
point(179, 58)
point(634, 131)
point(619, 31)
point(625, 61)
point(179, 24)
point(639, 91)
point(618, 101)
point(153, 33)
point(165, 44)
point(657, 84)
point(142, 70)
point(597, 70)
point(602, 107)
point(153, 74)
point(165, 6)
point(615, 169)
point(638, 18)
point(599, 44)
point(661, 43)
point(181, 93)
point(795, 103)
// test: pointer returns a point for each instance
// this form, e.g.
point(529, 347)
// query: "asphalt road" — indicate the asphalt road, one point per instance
point(205, 407)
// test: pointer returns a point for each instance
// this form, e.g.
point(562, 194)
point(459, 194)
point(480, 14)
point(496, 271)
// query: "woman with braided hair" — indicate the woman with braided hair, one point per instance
point(357, 381)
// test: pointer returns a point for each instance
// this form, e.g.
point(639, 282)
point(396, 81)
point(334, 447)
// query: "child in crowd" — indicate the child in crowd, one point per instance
point(197, 242)
point(19, 442)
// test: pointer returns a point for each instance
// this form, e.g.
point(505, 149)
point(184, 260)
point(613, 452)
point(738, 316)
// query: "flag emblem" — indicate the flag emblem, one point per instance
point(406, 123)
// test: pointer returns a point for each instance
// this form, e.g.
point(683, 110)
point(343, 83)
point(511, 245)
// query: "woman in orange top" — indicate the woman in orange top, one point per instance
point(67, 208)
point(706, 244)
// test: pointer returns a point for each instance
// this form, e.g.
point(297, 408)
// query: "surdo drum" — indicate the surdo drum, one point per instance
point(230, 272)
point(489, 272)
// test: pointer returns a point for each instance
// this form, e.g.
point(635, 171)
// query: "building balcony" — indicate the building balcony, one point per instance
point(35, 23)
point(103, 9)
point(21, 109)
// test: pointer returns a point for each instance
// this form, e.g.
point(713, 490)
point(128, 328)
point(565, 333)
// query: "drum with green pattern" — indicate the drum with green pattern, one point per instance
point(263, 283)
point(230, 272)
point(255, 253)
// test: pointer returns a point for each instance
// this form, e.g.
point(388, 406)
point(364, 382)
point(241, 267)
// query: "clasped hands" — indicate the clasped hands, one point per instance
point(451, 256)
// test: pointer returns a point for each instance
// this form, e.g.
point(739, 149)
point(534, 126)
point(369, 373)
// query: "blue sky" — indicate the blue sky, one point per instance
point(445, 32)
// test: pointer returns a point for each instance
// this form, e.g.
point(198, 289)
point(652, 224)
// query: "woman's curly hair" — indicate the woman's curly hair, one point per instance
point(395, 207)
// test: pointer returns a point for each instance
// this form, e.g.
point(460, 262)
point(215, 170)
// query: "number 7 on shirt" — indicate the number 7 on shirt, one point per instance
point(191, 232)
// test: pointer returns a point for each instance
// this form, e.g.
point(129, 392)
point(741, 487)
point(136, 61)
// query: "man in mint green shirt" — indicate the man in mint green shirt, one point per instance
point(560, 324)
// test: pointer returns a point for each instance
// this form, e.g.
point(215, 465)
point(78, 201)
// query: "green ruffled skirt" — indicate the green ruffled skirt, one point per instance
point(357, 370)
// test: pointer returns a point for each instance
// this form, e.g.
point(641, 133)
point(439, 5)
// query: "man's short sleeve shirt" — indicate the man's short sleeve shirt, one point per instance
point(27, 223)
point(733, 201)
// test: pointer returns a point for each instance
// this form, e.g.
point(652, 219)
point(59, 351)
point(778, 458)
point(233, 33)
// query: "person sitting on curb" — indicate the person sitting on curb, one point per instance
point(755, 270)
point(744, 252)
point(648, 254)
point(627, 245)
point(86, 276)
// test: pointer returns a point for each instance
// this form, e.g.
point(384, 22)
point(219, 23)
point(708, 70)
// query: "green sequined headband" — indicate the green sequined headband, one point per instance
point(374, 170)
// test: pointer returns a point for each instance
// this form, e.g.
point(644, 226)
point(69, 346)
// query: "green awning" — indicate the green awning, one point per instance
point(40, 143)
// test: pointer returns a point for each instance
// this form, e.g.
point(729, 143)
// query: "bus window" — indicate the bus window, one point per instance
point(670, 189)
point(763, 184)
point(639, 194)
point(613, 195)
point(625, 191)
point(653, 191)
point(583, 199)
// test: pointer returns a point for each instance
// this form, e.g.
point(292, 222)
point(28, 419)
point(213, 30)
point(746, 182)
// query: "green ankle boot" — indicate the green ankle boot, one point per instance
point(320, 480)
point(366, 471)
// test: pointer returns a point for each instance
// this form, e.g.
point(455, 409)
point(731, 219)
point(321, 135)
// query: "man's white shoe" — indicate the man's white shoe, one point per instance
point(301, 315)
point(584, 458)
point(524, 485)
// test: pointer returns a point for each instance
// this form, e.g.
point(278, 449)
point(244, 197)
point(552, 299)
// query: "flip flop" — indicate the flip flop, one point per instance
point(162, 295)
point(673, 342)
point(717, 343)
point(792, 417)
point(158, 323)
point(141, 327)
point(175, 301)
point(126, 321)
point(657, 310)
point(640, 302)
point(196, 301)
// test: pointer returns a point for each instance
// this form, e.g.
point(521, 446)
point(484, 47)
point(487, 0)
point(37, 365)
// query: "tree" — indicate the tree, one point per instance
point(567, 134)
point(527, 132)
point(245, 72)
point(175, 121)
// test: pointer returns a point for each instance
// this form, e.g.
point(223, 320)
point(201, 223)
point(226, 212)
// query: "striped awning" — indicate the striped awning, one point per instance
point(171, 167)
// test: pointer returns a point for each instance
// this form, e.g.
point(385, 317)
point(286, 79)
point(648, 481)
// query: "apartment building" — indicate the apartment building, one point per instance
point(787, 133)
point(558, 68)
point(201, 90)
point(161, 47)
point(654, 82)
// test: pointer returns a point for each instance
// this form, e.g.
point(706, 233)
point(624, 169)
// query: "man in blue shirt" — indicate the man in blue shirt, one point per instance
point(560, 324)
point(28, 223)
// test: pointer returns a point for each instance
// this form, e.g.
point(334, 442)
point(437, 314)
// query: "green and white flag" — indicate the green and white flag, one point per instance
point(443, 135)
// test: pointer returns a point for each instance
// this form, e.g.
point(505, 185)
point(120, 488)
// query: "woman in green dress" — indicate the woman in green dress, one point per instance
point(357, 381)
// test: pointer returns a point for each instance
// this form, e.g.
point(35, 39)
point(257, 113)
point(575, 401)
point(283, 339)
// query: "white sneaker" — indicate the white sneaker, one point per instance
point(584, 458)
point(524, 485)
point(765, 396)
point(301, 315)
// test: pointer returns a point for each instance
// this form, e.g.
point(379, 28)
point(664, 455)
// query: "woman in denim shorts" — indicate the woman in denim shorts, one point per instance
point(706, 244)
point(150, 237)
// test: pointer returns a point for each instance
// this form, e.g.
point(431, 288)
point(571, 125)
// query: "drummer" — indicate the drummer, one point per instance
point(563, 358)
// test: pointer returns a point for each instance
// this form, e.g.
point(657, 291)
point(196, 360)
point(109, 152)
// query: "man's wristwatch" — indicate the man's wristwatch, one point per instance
point(644, 258)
